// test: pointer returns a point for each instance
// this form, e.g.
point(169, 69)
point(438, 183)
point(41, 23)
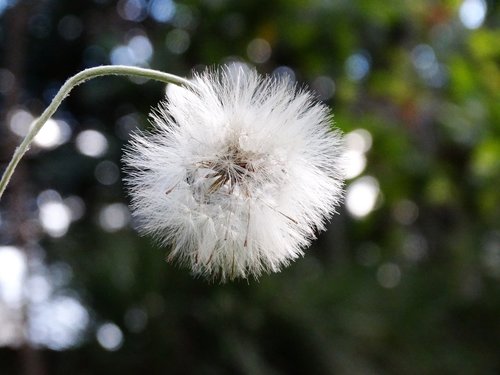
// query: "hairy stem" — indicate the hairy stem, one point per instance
point(71, 83)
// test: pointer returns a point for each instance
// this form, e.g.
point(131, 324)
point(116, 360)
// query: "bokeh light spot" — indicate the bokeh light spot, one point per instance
point(138, 52)
point(38, 288)
point(423, 57)
point(324, 87)
point(141, 48)
point(359, 140)
point(415, 247)
point(55, 218)
point(355, 163)
point(136, 319)
point(132, 10)
point(361, 196)
point(282, 71)
point(114, 216)
point(20, 121)
point(259, 50)
point(76, 206)
point(405, 212)
point(107, 172)
point(58, 323)
point(177, 41)
point(53, 134)
point(389, 275)
point(6, 4)
point(54, 215)
point(110, 336)
point(12, 272)
point(357, 66)
point(472, 13)
point(122, 55)
point(184, 17)
point(426, 63)
point(92, 143)
point(162, 10)
point(127, 123)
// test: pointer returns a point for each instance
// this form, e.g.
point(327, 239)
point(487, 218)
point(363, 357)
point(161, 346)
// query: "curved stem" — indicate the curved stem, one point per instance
point(64, 91)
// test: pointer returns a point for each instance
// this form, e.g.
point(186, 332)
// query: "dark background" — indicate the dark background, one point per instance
point(407, 285)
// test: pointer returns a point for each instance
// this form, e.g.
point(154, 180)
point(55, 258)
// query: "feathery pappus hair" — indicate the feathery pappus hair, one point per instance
point(238, 174)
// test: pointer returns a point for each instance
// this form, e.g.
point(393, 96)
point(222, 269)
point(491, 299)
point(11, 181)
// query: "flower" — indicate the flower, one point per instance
point(238, 174)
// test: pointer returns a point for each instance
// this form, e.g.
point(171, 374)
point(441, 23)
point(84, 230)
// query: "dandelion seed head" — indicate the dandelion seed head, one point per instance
point(238, 175)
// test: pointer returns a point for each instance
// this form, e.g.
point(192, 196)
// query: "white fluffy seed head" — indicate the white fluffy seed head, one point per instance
point(238, 174)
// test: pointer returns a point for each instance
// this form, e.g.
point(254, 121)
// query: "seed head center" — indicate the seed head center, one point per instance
point(230, 169)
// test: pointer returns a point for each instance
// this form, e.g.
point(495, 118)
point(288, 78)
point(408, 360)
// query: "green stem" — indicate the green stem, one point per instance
point(71, 83)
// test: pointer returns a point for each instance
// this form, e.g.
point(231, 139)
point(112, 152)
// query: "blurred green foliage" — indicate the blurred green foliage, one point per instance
point(410, 288)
